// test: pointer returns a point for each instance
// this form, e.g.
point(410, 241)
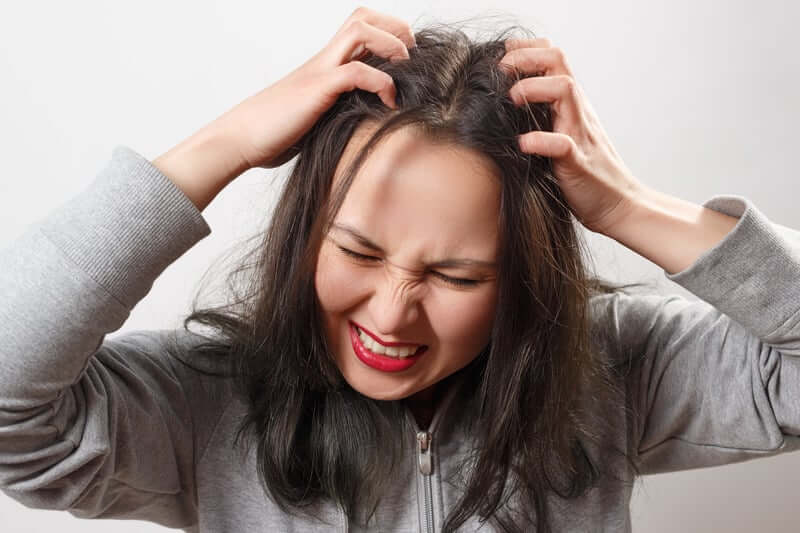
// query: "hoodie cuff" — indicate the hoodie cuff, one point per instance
point(127, 226)
point(752, 274)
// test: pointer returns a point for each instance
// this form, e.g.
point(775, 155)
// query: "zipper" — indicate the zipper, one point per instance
point(425, 466)
point(424, 452)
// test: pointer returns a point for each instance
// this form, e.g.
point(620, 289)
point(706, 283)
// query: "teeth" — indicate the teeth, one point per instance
point(377, 348)
point(401, 352)
point(391, 351)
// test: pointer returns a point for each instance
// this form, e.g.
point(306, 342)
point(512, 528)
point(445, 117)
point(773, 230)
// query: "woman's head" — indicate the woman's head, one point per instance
point(440, 177)
point(437, 178)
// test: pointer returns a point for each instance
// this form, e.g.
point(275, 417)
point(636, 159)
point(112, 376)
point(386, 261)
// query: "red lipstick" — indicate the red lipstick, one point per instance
point(380, 361)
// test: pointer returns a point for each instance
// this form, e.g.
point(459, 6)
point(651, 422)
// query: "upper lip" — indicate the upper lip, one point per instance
point(384, 343)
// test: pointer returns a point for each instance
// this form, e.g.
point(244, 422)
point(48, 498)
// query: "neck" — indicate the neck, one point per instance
point(424, 403)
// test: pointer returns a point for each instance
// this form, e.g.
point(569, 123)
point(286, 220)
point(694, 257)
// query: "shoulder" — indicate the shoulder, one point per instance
point(632, 321)
point(181, 355)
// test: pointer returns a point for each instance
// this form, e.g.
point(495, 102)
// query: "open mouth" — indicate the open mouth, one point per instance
point(393, 359)
point(378, 348)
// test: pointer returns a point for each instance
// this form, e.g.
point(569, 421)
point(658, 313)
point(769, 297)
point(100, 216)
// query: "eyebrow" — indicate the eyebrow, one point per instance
point(443, 263)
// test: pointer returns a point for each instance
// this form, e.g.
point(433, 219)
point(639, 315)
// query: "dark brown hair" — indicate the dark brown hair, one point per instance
point(318, 438)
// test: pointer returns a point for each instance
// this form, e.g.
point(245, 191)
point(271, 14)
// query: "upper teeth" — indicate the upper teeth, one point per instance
point(392, 351)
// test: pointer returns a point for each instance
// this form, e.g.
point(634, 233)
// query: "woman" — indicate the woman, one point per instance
point(417, 344)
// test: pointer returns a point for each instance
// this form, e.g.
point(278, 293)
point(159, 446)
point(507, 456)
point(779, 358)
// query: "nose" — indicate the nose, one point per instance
point(395, 305)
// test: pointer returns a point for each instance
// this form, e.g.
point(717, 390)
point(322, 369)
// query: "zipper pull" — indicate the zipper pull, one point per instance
point(424, 438)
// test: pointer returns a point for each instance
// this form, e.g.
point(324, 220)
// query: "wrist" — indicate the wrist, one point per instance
point(203, 164)
point(669, 231)
point(637, 208)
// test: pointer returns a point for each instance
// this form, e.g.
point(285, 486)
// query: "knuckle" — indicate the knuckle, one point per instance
point(352, 72)
point(360, 71)
point(571, 149)
point(354, 68)
point(345, 69)
point(567, 83)
point(360, 11)
point(561, 58)
point(355, 26)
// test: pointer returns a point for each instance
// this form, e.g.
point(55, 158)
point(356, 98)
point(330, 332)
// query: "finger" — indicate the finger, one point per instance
point(359, 37)
point(547, 61)
point(548, 144)
point(538, 42)
point(397, 27)
point(358, 75)
point(561, 91)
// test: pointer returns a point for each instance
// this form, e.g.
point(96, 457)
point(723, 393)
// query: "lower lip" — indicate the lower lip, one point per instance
point(378, 361)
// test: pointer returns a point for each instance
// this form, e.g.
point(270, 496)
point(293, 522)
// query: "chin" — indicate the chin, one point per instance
point(382, 396)
point(375, 391)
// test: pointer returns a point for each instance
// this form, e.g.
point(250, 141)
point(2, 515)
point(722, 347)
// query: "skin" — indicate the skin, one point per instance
point(420, 202)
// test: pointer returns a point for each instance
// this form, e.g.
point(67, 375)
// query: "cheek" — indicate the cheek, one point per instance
point(338, 284)
point(469, 328)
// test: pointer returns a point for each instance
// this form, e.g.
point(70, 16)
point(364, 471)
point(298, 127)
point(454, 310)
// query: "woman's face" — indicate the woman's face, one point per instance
point(431, 212)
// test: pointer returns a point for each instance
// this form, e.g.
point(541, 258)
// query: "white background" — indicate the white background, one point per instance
point(699, 98)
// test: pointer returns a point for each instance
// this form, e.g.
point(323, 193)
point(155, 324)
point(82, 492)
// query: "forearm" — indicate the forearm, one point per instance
point(671, 232)
point(203, 164)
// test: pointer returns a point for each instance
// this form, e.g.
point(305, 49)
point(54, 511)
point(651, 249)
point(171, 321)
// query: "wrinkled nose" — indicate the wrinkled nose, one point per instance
point(394, 307)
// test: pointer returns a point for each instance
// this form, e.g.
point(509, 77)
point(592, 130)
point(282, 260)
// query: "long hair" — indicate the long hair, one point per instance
point(316, 437)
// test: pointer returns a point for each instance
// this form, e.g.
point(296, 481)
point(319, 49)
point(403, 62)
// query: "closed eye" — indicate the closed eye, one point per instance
point(456, 282)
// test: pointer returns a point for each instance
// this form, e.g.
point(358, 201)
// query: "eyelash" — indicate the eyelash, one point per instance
point(458, 282)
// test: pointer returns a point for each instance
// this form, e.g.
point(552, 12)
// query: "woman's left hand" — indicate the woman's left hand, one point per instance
point(600, 189)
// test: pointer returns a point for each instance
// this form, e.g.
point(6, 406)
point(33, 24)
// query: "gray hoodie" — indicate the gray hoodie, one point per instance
point(117, 428)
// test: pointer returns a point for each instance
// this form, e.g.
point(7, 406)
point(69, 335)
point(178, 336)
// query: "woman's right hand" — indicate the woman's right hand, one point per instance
point(262, 130)
point(269, 123)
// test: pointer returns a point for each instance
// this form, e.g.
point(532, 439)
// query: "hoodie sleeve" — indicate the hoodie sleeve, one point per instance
point(98, 427)
point(717, 380)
